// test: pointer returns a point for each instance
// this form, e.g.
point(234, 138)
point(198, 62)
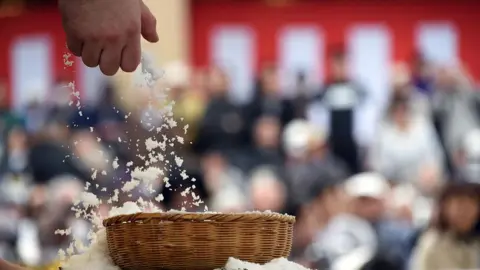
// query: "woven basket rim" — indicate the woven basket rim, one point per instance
point(198, 217)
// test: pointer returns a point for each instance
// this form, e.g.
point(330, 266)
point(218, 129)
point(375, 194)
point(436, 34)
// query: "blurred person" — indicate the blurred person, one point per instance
point(57, 214)
point(267, 190)
point(363, 231)
point(302, 95)
point(454, 111)
point(223, 127)
point(341, 98)
point(467, 158)
point(268, 99)
point(107, 33)
point(450, 242)
point(402, 86)
point(322, 200)
point(59, 99)
point(8, 118)
point(266, 149)
point(407, 146)
point(309, 158)
point(49, 158)
point(190, 95)
point(15, 159)
point(219, 176)
point(421, 74)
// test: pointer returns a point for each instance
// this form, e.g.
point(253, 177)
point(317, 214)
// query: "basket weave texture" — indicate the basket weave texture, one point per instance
point(196, 240)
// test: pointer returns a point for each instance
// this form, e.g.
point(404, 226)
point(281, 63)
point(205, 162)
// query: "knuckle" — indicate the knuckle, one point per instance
point(132, 30)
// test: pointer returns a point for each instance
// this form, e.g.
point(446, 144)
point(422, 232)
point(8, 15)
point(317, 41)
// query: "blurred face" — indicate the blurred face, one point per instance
point(369, 208)
point(217, 82)
point(269, 195)
point(400, 114)
point(270, 81)
point(17, 140)
point(339, 68)
point(461, 213)
point(267, 132)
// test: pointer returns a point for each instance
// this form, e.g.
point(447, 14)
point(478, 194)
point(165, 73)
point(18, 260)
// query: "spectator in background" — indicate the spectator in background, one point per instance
point(351, 232)
point(268, 99)
point(302, 98)
point(454, 111)
point(406, 146)
point(450, 242)
point(421, 73)
point(468, 158)
point(190, 98)
point(221, 178)
point(267, 190)
point(309, 159)
point(222, 127)
point(266, 149)
point(341, 97)
point(323, 199)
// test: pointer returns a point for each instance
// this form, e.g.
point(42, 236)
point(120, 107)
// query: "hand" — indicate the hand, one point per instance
point(107, 33)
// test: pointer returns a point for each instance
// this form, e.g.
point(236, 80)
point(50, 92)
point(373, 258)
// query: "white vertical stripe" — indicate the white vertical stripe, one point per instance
point(438, 42)
point(32, 77)
point(301, 49)
point(233, 49)
point(369, 48)
point(92, 82)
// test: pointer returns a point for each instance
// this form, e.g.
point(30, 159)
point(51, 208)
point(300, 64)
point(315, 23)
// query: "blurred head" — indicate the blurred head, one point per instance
point(269, 83)
point(399, 109)
point(17, 139)
point(420, 66)
point(458, 208)
point(446, 79)
point(267, 191)
point(338, 65)
point(469, 157)
point(177, 77)
point(296, 138)
point(217, 82)
point(267, 132)
point(367, 192)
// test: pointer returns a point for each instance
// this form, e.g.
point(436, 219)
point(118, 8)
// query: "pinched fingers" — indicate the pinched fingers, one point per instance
point(131, 54)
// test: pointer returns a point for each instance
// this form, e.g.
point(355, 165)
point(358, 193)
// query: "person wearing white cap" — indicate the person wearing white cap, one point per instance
point(354, 238)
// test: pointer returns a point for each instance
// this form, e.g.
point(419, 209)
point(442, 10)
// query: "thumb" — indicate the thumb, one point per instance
point(149, 24)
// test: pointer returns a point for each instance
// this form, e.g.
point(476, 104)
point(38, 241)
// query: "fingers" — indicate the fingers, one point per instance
point(75, 46)
point(110, 59)
point(91, 54)
point(149, 24)
point(131, 55)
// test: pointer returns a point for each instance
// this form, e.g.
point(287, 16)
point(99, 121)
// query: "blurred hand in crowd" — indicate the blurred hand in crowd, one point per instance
point(106, 33)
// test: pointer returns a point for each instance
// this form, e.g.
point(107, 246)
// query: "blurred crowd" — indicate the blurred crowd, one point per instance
point(406, 200)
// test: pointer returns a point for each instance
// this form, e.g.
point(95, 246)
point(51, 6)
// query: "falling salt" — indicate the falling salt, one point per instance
point(130, 185)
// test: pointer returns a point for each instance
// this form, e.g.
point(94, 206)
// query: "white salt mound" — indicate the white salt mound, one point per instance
point(94, 258)
point(275, 264)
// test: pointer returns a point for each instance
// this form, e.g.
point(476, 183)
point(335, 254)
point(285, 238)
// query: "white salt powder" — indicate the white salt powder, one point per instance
point(276, 264)
point(130, 185)
point(89, 199)
point(148, 175)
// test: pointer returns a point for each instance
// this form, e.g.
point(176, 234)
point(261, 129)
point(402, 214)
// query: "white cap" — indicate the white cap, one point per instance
point(369, 184)
point(298, 136)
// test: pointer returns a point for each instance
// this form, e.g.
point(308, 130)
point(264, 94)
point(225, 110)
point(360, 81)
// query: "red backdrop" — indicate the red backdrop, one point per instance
point(335, 17)
point(34, 21)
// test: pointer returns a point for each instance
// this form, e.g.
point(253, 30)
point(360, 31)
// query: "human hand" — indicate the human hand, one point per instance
point(107, 33)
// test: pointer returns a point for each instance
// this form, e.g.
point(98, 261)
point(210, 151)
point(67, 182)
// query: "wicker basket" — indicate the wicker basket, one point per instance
point(196, 240)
